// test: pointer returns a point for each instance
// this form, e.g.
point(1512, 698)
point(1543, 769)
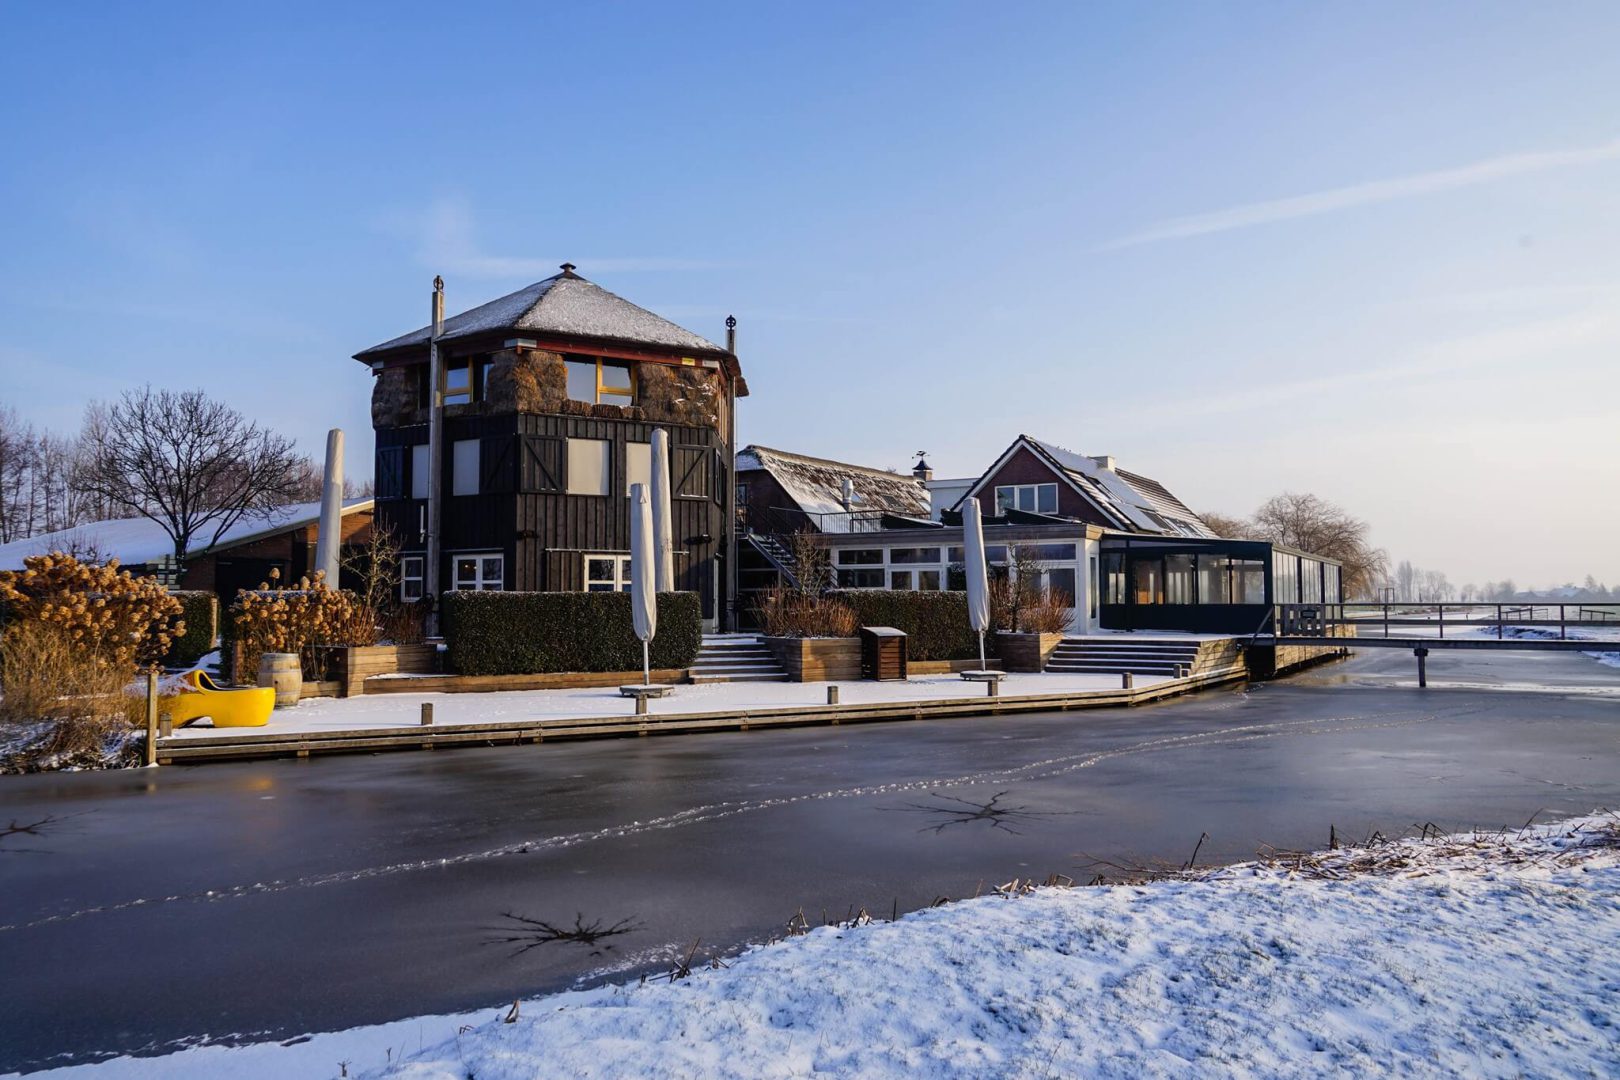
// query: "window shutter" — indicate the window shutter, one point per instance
point(390, 472)
point(692, 467)
point(495, 465)
point(540, 463)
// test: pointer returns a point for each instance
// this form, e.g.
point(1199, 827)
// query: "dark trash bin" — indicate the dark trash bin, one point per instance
point(883, 653)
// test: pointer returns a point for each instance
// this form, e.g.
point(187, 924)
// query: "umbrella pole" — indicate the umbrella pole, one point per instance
point(981, 650)
point(646, 666)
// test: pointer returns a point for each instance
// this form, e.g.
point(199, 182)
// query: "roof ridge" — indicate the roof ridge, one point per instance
point(829, 461)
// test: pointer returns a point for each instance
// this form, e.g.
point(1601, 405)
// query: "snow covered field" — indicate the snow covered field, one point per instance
point(397, 710)
point(1480, 955)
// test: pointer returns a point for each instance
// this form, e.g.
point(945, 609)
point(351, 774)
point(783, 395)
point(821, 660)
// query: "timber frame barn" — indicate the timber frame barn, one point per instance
point(548, 400)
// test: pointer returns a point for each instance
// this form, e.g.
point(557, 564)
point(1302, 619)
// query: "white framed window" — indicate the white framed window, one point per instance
point(589, 466)
point(477, 571)
point(419, 471)
point(638, 466)
point(412, 577)
point(1033, 498)
point(607, 573)
point(464, 467)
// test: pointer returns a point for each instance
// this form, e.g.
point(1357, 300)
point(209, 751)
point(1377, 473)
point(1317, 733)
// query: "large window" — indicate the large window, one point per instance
point(1035, 498)
point(481, 571)
point(638, 466)
point(588, 466)
point(861, 578)
point(411, 577)
point(464, 467)
point(600, 382)
point(914, 555)
point(1310, 581)
point(1331, 587)
point(1114, 577)
point(1214, 583)
point(1178, 579)
point(860, 557)
point(419, 471)
point(1147, 579)
point(1285, 577)
point(1248, 581)
point(607, 573)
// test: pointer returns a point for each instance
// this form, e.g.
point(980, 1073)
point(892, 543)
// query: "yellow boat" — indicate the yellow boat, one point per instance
point(249, 707)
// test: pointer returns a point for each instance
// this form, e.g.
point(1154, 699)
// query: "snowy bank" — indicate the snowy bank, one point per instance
point(1480, 955)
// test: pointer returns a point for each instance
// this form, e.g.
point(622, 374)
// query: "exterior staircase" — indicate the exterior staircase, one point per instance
point(778, 554)
point(1161, 657)
point(736, 658)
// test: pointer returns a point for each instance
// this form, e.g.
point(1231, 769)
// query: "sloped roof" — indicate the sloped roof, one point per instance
point(142, 541)
point(564, 305)
point(816, 486)
point(1131, 502)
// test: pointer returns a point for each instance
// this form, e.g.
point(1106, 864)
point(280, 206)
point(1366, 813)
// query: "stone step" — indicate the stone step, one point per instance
point(1100, 668)
point(764, 676)
point(736, 669)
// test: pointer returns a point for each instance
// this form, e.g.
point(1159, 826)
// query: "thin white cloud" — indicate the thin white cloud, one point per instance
point(447, 246)
point(1586, 332)
point(1373, 191)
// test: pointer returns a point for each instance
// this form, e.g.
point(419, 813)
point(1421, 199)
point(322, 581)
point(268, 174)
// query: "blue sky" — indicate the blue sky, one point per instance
point(1368, 252)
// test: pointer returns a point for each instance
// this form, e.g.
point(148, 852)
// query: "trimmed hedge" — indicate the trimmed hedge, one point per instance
point(529, 633)
point(935, 623)
point(200, 610)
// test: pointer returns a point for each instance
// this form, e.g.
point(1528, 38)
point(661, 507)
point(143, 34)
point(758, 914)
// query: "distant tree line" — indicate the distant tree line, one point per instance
point(193, 465)
point(1313, 524)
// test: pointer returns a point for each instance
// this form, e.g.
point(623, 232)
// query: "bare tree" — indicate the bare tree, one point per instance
point(1227, 526)
point(17, 451)
point(194, 466)
point(1315, 525)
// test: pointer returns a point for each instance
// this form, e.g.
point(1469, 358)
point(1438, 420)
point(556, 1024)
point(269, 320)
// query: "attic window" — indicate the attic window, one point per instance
point(1035, 498)
point(596, 381)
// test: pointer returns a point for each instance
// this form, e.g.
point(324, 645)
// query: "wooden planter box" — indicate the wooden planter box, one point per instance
point(1026, 652)
point(818, 659)
point(350, 665)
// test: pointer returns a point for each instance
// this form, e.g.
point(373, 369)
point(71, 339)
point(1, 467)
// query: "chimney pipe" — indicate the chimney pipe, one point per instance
point(1105, 462)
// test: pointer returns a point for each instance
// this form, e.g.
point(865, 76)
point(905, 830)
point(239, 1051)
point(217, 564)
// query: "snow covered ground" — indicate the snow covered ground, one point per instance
point(1480, 955)
point(397, 710)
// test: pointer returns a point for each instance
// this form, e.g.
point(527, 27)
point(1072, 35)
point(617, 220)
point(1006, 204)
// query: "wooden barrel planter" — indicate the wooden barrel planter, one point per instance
point(282, 672)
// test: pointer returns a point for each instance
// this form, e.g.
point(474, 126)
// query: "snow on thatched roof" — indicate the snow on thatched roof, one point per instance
point(816, 486)
point(142, 541)
point(565, 305)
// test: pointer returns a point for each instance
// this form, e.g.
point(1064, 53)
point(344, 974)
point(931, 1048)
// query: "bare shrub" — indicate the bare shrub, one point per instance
point(793, 613)
point(1046, 613)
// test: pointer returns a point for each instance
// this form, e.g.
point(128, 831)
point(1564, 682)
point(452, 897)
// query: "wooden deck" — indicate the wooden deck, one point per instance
point(414, 736)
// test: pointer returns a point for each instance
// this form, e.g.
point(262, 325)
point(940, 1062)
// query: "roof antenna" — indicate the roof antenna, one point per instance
point(731, 334)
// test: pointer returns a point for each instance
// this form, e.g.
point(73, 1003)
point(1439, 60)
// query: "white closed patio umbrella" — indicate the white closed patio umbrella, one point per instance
point(643, 587)
point(662, 516)
point(978, 575)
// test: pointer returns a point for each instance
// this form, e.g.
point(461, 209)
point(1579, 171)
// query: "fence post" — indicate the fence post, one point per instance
point(151, 716)
point(1422, 655)
point(1386, 618)
point(1442, 620)
point(1498, 622)
point(1560, 622)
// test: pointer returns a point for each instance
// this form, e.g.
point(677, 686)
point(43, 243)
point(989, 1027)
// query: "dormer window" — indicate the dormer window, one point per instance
point(598, 381)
